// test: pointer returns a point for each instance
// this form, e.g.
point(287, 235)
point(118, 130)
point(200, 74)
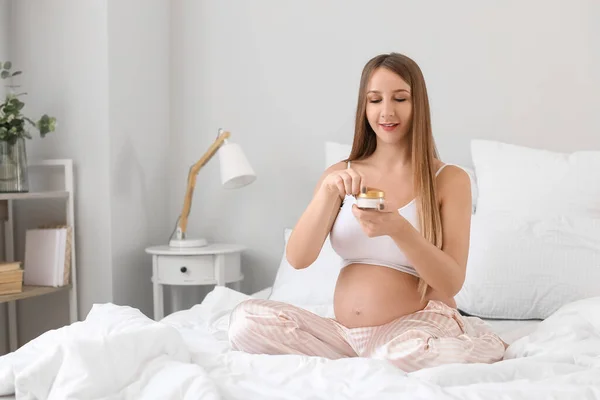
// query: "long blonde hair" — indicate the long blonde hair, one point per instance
point(423, 148)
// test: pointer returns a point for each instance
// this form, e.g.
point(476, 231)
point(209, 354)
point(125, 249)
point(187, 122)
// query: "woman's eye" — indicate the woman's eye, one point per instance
point(379, 100)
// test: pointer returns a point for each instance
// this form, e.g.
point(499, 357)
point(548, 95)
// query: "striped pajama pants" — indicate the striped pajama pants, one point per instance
point(436, 335)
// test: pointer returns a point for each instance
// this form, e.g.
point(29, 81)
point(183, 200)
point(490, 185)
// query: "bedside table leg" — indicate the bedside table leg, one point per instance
point(159, 311)
point(176, 298)
point(220, 269)
point(157, 291)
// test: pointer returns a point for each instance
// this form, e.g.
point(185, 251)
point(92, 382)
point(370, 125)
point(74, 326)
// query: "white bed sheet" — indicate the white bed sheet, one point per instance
point(512, 330)
point(118, 353)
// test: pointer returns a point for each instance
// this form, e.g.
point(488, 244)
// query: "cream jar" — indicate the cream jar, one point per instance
point(372, 199)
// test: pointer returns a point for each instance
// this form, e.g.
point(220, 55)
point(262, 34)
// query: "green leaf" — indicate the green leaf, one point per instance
point(4, 74)
point(7, 65)
point(18, 104)
point(46, 124)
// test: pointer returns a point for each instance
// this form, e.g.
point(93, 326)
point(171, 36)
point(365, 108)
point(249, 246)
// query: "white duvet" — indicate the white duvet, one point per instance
point(118, 353)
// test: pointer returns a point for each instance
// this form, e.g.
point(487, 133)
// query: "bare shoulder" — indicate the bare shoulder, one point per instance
point(336, 167)
point(454, 182)
point(332, 168)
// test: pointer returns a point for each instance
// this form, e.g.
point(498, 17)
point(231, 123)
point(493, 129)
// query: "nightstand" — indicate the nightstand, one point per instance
point(213, 264)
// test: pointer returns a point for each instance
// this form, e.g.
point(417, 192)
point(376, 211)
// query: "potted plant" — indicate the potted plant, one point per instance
point(13, 132)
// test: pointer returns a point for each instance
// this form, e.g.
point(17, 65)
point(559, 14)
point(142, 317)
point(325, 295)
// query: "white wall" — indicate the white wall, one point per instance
point(4, 30)
point(106, 81)
point(61, 48)
point(283, 77)
point(4, 55)
point(140, 88)
point(138, 55)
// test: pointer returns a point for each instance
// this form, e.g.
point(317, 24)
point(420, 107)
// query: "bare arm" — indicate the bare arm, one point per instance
point(311, 230)
point(443, 269)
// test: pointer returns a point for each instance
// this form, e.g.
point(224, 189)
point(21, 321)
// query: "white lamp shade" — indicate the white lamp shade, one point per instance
point(235, 168)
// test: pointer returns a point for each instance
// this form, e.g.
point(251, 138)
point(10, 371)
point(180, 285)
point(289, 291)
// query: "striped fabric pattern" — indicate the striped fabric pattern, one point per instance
point(434, 336)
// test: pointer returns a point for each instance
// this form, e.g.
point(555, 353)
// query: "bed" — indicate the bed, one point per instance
point(118, 353)
point(532, 277)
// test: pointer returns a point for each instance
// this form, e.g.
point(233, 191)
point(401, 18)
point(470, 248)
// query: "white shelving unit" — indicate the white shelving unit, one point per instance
point(6, 202)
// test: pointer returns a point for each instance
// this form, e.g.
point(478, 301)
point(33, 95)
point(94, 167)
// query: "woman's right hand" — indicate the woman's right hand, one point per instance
point(344, 182)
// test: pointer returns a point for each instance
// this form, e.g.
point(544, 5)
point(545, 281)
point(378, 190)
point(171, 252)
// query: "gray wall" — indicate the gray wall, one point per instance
point(283, 77)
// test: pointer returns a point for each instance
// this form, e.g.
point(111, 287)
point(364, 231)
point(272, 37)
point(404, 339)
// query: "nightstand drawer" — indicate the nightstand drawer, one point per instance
point(186, 270)
point(214, 264)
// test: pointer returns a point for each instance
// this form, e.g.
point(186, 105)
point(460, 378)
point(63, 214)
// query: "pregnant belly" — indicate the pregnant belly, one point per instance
point(371, 295)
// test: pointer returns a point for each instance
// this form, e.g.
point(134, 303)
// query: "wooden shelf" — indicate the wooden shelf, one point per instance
point(35, 195)
point(32, 291)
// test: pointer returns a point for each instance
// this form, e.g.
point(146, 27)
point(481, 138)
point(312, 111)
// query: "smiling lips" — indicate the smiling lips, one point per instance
point(388, 127)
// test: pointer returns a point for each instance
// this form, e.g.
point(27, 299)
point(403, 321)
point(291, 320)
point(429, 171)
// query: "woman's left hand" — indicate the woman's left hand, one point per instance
point(380, 222)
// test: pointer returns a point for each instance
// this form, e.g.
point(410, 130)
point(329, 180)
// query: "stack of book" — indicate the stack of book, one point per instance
point(11, 277)
point(48, 256)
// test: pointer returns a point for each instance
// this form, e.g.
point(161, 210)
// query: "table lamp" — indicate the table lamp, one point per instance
point(236, 172)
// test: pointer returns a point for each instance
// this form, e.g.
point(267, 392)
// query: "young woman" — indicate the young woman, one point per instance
point(403, 264)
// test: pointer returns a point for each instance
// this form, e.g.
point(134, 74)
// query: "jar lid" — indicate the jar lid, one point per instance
point(372, 193)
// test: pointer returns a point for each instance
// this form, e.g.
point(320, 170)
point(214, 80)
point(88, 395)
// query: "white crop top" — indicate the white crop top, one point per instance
point(354, 246)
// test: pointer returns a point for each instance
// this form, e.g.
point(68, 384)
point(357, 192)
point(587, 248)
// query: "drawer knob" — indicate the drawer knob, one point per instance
point(183, 269)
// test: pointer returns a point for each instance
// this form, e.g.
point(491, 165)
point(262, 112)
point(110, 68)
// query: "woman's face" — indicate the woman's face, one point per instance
point(389, 106)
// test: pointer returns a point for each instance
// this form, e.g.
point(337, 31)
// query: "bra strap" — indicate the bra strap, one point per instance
point(441, 168)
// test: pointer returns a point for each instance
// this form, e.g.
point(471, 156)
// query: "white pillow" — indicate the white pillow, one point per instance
point(529, 181)
point(528, 267)
point(335, 152)
point(314, 285)
point(535, 240)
